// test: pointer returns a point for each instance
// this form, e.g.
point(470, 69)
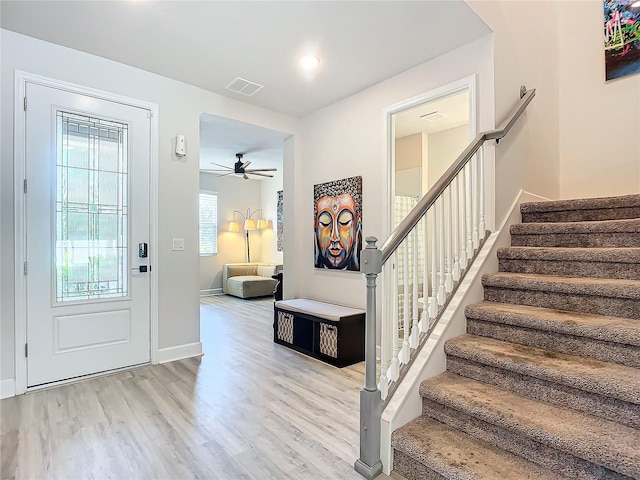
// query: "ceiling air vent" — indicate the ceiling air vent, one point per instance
point(433, 116)
point(244, 87)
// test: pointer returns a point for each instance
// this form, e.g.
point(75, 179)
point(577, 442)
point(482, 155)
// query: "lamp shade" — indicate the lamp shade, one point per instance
point(234, 227)
point(249, 224)
point(262, 224)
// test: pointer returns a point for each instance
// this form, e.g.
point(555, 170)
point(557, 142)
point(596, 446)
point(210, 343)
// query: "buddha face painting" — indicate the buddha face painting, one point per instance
point(338, 238)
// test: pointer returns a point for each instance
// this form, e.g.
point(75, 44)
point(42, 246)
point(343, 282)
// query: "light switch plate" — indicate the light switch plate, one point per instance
point(178, 244)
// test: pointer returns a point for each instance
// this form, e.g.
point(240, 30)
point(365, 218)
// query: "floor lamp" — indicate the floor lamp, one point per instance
point(249, 224)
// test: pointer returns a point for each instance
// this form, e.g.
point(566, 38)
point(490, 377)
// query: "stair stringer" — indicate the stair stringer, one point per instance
point(406, 403)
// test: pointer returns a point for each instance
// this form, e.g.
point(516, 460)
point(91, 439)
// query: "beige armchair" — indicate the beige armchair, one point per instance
point(248, 280)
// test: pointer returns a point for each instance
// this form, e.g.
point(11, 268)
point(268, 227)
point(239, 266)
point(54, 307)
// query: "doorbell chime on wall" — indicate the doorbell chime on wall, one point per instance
point(181, 148)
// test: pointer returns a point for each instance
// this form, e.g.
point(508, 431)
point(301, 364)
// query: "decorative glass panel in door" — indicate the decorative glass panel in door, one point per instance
point(91, 208)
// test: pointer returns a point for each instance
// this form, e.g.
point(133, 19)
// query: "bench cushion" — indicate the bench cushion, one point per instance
point(327, 311)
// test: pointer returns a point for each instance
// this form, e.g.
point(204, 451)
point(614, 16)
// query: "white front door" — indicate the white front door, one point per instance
point(87, 211)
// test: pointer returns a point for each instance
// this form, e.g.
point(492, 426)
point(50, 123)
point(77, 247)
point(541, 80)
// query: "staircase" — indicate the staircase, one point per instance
point(546, 382)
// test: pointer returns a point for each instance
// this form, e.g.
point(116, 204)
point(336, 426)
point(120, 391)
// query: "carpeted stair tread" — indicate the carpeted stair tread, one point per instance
point(596, 440)
point(574, 262)
point(607, 208)
point(581, 204)
point(577, 254)
point(603, 226)
point(626, 206)
point(456, 456)
point(594, 376)
point(600, 327)
point(603, 287)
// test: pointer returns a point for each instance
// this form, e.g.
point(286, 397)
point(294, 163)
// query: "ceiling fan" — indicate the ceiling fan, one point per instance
point(240, 169)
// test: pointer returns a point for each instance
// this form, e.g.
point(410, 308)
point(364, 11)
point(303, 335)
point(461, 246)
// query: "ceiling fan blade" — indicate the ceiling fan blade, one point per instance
point(244, 175)
point(262, 170)
point(260, 174)
point(217, 173)
point(246, 164)
point(223, 166)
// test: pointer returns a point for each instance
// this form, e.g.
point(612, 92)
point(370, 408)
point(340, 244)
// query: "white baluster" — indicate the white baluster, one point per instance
point(482, 229)
point(448, 279)
point(383, 383)
point(415, 334)
point(394, 368)
point(456, 233)
point(406, 350)
point(470, 249)
point(433, 304)
point(474, 196)
point(464, 259)
point(442, 296)
point(424, 319)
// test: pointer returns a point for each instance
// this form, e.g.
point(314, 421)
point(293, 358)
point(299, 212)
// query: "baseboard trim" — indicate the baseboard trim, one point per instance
point(7, 388)
point(179, 352)
point(211, 292)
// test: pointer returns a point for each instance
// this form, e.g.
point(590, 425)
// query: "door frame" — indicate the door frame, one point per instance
point(467, 83)
point(19, 165)
point(470, 84)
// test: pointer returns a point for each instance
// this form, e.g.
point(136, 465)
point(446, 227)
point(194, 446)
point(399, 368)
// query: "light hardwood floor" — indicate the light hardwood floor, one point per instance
point(249, 409)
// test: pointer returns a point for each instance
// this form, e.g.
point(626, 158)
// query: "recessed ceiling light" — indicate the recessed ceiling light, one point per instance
point(309, 62)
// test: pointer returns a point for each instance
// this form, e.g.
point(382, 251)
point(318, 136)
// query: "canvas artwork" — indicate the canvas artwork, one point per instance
point(338, 224)
point(621, 37)
point(280, 215)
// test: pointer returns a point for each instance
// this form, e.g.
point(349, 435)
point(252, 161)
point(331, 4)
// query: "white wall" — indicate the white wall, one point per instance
point(345, 139)
point(444, 148)
point(269, 203)
point(599, 121)
point(234, 193)
point(409, 165)
point(526, 53)
point(180, 106)
point(581, 135)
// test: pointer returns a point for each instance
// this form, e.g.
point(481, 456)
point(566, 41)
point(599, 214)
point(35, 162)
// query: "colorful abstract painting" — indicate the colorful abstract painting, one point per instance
point(338, 224)
point(280, 215)
point(621, 37)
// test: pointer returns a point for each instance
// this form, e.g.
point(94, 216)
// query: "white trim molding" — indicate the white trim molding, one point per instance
point(468, 84)
point(179, 352)
point(211, 292)
point(7, 388)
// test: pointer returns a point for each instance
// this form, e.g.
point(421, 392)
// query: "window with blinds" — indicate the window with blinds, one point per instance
point(208, 223)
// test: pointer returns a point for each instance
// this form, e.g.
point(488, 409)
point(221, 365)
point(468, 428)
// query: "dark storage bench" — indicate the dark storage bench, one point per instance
point(328, 332)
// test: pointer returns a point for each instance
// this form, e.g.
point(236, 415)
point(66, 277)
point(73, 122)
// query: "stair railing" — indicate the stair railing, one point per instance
point(449, 221)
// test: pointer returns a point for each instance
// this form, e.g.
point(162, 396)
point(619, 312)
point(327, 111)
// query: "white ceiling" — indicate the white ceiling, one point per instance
point(221, 138)
point(454, 108)
point(209, 43)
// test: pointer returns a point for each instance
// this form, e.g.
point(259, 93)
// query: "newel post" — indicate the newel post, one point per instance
point(369, 464)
